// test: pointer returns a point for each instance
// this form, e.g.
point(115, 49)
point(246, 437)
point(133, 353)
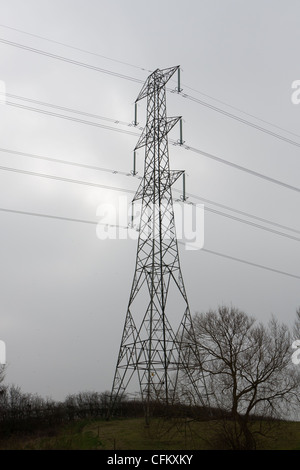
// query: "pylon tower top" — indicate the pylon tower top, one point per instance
point(156, 81)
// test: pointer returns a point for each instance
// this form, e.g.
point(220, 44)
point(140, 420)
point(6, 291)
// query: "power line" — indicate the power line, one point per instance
point(66, 162)
point(70, 61)
point(70, 110)
point(249, 263)
point(189, 148)
point(68, 219)
point(194, 196)
point(241, 111)
point(127, 77)
point(70, 118)
point(66, 180)
point(74, 48)
point(147, 70)
point(113, 188)
point(246, 214)
point(243, 121)
point(90, 222)
point(174, 142)
point(239, 167)
point(247, 222)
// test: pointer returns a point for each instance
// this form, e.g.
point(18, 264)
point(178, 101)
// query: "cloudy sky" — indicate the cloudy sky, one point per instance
point(64, 292)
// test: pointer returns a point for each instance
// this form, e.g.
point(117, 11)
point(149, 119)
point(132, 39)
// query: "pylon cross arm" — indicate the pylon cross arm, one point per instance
point(156, 131)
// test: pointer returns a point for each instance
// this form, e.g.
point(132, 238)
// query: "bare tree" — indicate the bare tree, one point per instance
point(244, 370)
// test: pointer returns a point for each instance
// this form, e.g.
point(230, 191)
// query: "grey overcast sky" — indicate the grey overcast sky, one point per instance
point(64, 292)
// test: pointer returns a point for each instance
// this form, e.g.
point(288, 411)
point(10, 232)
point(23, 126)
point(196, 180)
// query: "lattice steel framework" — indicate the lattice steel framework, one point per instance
point(149, 346)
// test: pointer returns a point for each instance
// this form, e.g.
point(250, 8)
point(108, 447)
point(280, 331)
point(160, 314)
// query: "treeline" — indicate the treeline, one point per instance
point(25, 413)
point(22, 413)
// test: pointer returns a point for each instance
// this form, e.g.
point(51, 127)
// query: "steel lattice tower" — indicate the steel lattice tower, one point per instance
point(149, 346)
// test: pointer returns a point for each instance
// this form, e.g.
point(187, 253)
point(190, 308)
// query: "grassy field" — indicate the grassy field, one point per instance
point(132, 434)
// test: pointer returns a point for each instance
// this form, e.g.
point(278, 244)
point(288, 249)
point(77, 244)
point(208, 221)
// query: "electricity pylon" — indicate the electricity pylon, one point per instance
point(149, 346)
